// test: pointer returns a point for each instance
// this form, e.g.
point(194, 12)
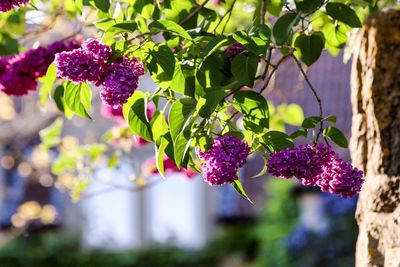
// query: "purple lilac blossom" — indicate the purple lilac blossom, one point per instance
point(121, 81)
point(304, 162)
point(86, 64)
point(317, 166)
point(78, 67)
point(19, 73)
point(97, 50)
point(3, 65)
point(233, 50)
point(222, 161)
point(6, 5)
point(340, 178)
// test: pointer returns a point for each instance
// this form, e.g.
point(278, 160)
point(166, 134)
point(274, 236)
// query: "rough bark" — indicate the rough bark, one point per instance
point(375, 142)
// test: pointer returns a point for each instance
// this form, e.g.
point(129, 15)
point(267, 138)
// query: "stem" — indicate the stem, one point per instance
point(194, 12)
point(274, 69)
point(229, 119)
point(263, 9)
point(321, 114)
point(228, 12)
point(268, 63)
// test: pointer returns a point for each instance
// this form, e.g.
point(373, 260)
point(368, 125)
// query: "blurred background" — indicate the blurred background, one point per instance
point(128, 215)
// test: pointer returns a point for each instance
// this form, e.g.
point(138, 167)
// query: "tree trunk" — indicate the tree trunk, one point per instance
point(375, 142)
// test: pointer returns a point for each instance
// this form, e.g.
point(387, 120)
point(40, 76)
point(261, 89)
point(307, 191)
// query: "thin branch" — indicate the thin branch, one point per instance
point(113, 187)
point(228, 13)
point(274, 69)
point(194, 12)
point(268, 62)
point(229, 120)
point(263, 10)
point(317, 97)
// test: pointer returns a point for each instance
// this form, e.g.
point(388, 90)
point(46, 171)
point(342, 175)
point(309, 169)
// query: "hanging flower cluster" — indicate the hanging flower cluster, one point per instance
point(317, 166)
point(7, 5)
point(19, 73)
point(222, 161)
point(149, 168)
point(89, 63)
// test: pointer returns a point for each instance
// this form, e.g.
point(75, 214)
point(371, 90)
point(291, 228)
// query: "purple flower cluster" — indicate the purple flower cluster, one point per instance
point(89, 63)
point(85, 64)
point(222, 161)
point(6, 5)
point(235, 49)
point(317, 166)
point(19, 73)
point(340, 178)
point(121, 80)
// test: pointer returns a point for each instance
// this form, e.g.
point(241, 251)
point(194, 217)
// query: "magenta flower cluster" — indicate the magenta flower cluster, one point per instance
point(222, 161)
point(7, 5)
point(235, 49)
point(89, 64)
point(121, 80)
point(85, 64)
point(317, 166)
point(19, 73)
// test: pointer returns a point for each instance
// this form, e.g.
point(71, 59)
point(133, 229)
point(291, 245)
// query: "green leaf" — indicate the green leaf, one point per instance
point(298, 133)
point(239, 188)
point(213, 45)
point(162, 65)
point(207, 104)
point(104, 24)
point(179, 114)
point(58, 96)
point(343, 13)
point(307, 6)
point(47, 84)
point(255, 109)
point(78, 98)
point(159, 125)
point(336, 136)
point(336, 35)
point(178, 80)
point(126, 26)
point(275, 141)
point(160, 150)
point(311, 122)
point(309, 48)
point(50, 136)
point(330, 119)
point(135, 114)
point(168, 25)
point(181, 148)
point(144, 7)
point(244, 68)
point(252, 43)
point(283, 27)
point(262, 31)
point(103, 5)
